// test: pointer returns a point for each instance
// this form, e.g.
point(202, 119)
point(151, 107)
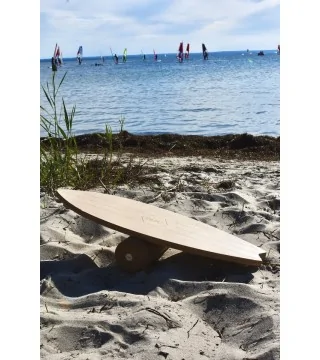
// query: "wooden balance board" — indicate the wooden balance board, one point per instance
point(153, 230)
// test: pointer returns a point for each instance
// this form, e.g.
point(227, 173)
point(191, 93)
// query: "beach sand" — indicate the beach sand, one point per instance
point(183, 306)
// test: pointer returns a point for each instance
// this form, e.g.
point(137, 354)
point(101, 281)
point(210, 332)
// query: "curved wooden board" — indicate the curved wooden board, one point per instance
point(161, 226)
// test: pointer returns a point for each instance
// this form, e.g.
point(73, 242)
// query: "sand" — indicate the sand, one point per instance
point(184, 306)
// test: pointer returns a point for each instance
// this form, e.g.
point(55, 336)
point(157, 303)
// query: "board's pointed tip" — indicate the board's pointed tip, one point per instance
point(63, 193)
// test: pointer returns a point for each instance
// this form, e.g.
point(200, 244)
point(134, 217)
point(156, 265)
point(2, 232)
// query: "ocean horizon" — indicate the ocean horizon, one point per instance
point(232, 92)
point(97, 57)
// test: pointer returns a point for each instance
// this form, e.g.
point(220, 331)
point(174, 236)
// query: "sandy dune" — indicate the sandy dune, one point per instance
point(183, 306)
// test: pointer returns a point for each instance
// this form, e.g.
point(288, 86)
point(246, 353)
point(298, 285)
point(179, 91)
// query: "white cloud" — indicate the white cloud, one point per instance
point(149, 24)
point(204, 9)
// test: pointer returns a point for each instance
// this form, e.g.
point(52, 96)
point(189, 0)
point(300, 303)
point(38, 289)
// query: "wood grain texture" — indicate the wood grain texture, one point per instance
point(160, 226)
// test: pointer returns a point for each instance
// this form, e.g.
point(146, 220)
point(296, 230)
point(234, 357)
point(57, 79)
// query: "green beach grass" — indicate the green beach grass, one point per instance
point(61, 162)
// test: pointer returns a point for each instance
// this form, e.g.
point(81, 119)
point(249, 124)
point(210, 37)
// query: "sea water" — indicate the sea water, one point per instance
point(231, 93)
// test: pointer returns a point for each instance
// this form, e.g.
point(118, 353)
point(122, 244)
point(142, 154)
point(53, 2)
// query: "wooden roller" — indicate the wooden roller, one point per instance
point(134, 254)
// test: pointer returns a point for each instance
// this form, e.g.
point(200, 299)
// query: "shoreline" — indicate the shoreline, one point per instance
point(232, 146)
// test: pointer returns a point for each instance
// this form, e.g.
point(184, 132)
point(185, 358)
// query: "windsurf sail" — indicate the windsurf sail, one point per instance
point(279, 49)
point(186, 55)
point(80, 54)
point(55, 50)
point(155, 55)
point(124, 56)
point(204, 52)
point(180, 52)
point(54, 59)
point(58, 56)
point(115, 57)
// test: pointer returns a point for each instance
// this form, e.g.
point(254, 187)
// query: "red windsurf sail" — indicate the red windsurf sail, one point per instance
point(180, 52)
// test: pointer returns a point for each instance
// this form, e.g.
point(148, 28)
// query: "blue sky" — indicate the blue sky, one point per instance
point(145, 25)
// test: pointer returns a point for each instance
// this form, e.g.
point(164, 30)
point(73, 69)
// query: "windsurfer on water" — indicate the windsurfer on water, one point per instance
point(116, 58)
point(204, 52)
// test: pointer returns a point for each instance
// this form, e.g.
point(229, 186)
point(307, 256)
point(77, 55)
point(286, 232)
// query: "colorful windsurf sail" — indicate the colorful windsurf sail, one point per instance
point(124, 56)
point(180, 52)
point(58, 52)
point(57, 56)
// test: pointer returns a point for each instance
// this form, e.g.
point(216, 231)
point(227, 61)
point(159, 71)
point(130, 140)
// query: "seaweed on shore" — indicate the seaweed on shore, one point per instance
point(233, 146)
